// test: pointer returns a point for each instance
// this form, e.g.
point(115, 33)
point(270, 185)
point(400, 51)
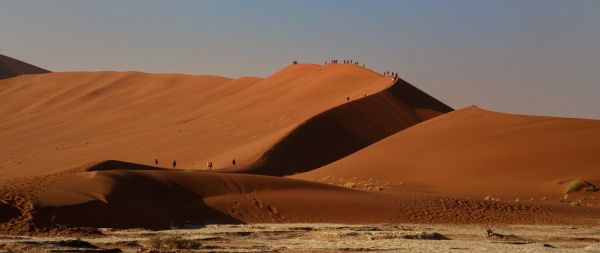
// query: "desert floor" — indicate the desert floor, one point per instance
point(319, 238)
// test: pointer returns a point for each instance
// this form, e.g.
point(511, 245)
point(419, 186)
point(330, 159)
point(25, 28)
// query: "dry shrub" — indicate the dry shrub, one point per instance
point(173, 241)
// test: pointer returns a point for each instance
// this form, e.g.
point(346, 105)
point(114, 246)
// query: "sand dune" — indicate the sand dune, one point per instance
point(78, 149)
point(347, 128)
point(126, 198)
point(475, 152)
point(143, 198)
point(60, 121)
point(10, 67)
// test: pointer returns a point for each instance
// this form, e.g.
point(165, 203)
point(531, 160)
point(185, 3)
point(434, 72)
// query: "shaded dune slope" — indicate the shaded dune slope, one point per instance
point(111, 164)
point(10, 67)
point(345, 129)
point(158, 199)
point(477, 152)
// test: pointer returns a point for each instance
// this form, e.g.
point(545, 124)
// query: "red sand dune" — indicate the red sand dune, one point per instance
point(347, 128)
point(59, 121)
point(475, 152)
point(10, 67)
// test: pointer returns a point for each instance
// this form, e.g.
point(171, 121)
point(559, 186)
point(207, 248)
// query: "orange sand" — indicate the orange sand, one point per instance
point(59, 121)
point(476, 152)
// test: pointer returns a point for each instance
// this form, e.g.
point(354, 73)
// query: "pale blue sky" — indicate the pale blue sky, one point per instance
point(530, 57)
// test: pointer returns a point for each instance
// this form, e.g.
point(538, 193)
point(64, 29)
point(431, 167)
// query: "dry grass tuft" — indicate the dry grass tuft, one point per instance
point(578, 185)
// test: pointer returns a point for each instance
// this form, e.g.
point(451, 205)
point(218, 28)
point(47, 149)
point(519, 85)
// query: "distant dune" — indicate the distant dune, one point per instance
point(475, 152)
point(10, 67)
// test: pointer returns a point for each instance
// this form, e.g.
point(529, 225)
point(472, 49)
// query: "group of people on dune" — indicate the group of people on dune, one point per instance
point(209, 164)
point(344, 62)
point(394, 75)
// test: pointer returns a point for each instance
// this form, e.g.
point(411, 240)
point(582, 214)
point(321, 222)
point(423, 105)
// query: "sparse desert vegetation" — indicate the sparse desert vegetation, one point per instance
point(426, 236)
point(173, 242)
point(578, 185)
point(321, 238)
point(356, 183)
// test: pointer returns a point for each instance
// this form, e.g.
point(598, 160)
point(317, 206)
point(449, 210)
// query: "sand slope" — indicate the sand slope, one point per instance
point(164, 198)
point(347, 128)
point(478, 152)
point(10, 67)
point(146, 198)
point(60, 121)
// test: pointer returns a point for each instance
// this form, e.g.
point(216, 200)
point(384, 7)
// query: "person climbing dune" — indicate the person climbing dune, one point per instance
point(174, 164)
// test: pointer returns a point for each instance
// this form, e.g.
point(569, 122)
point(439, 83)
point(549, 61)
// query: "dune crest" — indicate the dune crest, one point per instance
point(347, 128)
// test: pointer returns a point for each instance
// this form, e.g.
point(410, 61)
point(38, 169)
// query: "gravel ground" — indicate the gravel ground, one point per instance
point(322, 238)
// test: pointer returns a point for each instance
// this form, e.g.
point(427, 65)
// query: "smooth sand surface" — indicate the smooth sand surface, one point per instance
point(476, 152)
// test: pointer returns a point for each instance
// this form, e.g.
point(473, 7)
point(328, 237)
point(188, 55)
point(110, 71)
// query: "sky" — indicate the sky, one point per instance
point(525, 57)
